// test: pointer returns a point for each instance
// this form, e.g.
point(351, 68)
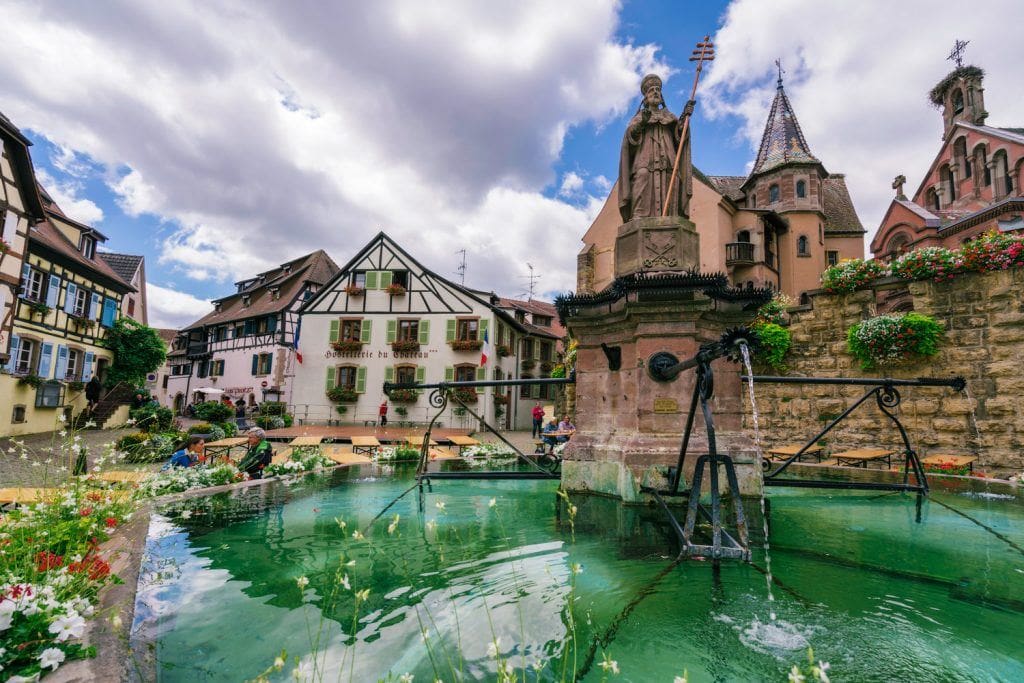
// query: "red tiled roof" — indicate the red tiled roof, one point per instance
point(540, 308)
point(45, 234)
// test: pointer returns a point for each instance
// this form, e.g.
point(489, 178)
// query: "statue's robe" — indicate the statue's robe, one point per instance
point(645, 166)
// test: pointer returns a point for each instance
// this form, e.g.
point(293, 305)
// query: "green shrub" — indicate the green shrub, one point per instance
point(200, 428)
point(775, 341)
point(891, 339)
point(129, 442)
point(153, 418)
point(214, 411)
point(230, 428)
point(774, 311)
point(273, 408)
point(849, 275)
point(558, 371)
point(341, 409)
point(927, 263)
point(273, 421)
point(342, 395)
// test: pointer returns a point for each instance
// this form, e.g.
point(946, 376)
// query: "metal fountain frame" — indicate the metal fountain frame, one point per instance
point(665, 367)
point(444, 392)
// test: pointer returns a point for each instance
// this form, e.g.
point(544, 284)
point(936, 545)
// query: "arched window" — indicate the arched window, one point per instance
point(960, 156)
point(946, 175)
point(931, 199)
point(773, 194)
point(1005, 185)
point(981, 154)
point(958, 101)
point(805, 299)
point(801, 189)
point(898, 243)
point(743, 236)
point(802, 247)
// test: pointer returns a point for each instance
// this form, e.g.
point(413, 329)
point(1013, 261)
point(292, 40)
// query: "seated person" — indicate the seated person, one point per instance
point(566, 426)
point(549, 428)
point(258, 456)
point(191, 454)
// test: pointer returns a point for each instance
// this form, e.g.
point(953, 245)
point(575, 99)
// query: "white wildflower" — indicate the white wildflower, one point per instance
point(61, 417)
point(185, 514)
point(51, 657)
point(493, 648)
point(431, 525)
point(70, 626)
point(492, 502)
point(680, 679)
point(278, 663)
point(610, 665)
point(358, 535)
point(302, 582)
point(439, 505)
point(795, 676)
point(345, 583)
point(405, 678)
point(577, 568)
point(394, 524)
point(303, 671)
point(820, 670)
point(363, 595)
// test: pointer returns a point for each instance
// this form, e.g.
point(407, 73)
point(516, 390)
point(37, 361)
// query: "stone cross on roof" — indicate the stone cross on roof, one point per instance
point(897, 184)
point(957, 53)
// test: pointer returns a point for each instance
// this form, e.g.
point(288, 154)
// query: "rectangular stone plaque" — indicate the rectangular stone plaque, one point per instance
point(666, 405)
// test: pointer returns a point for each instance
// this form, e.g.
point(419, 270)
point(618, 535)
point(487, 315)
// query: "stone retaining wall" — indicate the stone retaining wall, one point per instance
point(984, 319)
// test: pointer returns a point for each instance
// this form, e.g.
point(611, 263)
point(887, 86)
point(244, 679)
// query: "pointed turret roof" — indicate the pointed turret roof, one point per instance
point(783, 142)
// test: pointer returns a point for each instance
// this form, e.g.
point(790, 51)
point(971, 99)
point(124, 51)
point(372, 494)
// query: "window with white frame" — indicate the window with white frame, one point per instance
point(74, 368)
point(23, 359)
point(33, 285)
point(81, 302)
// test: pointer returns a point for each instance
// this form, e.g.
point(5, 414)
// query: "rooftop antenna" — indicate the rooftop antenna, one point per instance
point(531, 279)
point(461, 270)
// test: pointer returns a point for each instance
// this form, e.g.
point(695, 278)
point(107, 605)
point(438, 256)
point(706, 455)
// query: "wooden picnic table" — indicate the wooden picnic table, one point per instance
point(787, 452)
point(463, 441)
point(343, 456)
point(861, 456)
point(937, 459)
point(306, 441)
point(223, 446)
point(122, 476)
point(417, 441)
point(23, 495)
point(365, 444)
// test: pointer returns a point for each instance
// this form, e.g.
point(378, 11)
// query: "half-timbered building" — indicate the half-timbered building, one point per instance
point(246, 345)
point(387, 318)
point(68, 300)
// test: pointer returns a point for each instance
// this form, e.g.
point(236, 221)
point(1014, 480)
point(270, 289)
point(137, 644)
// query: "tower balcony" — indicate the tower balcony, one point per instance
point(739, 254)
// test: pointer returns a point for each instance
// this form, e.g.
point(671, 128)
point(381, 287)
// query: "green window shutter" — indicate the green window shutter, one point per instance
point(449, 374)
point(536, 349)
point(421, 374)
point(255, 363)
point(386, 277)
point(335, 328)
point(450, 330)
point(392, 331)
point(389, 373)
point(361, 379)
point(483, 329)
point(371, 279)
point(331, 375)
point(481, 374)
point(424, 332)
point(535, 391)
point(365, 330)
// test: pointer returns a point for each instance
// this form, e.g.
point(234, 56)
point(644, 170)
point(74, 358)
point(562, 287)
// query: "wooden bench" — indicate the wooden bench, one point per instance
point(787, 452)
point(443, 454)
point(122, 476)
point(365, 444)
point(463, 441)
point(344, 456)
point(860, 457)
point(281, 456)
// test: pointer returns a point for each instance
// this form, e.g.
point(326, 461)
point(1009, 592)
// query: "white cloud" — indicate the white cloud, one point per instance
point(66, 194)
point(262, 131)
point(857, 76)
point(169, 308)
point(602, 184)
point(572, 183)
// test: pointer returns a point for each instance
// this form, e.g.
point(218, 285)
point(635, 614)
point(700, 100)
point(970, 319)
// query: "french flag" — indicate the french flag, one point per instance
point(295, 342)
point(483, 350)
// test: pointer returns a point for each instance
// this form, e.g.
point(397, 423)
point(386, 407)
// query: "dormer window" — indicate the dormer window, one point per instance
point(216, 306)
point(88, 246)
point(246, 300)
point(275, 293)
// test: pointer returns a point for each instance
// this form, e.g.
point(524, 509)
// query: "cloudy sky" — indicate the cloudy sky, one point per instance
point(220, 138)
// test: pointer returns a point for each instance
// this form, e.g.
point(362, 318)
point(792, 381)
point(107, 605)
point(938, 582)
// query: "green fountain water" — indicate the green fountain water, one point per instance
point(876, 594)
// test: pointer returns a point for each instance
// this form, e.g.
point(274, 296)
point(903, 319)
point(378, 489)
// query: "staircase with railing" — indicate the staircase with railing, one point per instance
point(118, 395)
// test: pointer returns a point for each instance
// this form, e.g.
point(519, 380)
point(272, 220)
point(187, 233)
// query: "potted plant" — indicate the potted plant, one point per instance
point(405, 346)
point(891, 339)
point(75, 385)
point(503, 350)
point(465, 395)
point(466, 344)
point(341, 409)
point(80, 321)
point(354, 290)
point(528, 364)
point(401, 411)
point(347, 345)
point(342, 395)
point(395, 289)
point(31, 380)
point(39, 307)
point(404, 395)
point(546, 366)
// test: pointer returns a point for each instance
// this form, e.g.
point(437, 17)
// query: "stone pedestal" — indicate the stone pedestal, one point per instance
point(629, 425)
point(656, 244)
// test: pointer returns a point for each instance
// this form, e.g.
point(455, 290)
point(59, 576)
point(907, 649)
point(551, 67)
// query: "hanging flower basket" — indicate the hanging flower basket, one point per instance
point(342, 395)
point(347, 346)
point(404, 395)
point(354, 290)
point(466, 344)
point(395, 290)
point(892, 339)
point(405, 346)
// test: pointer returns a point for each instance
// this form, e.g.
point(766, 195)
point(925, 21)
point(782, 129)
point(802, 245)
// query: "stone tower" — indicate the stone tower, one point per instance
point(961, 96)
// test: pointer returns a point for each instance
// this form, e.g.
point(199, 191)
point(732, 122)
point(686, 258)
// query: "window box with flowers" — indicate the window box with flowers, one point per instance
point(354, 290)
point(80, 321)
point(405, 346)
point(31, 380)
point(892, 339)
point(528, 364)
point(75, 385)
point(465, 395)
point(38, 307)
point(342, 395)
point(347, 346)
point(404, 395)
point(395, 289)
point(503, 350)
point(500, 399)
point(546, 366)
point(466, 344)
point(850, 275)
